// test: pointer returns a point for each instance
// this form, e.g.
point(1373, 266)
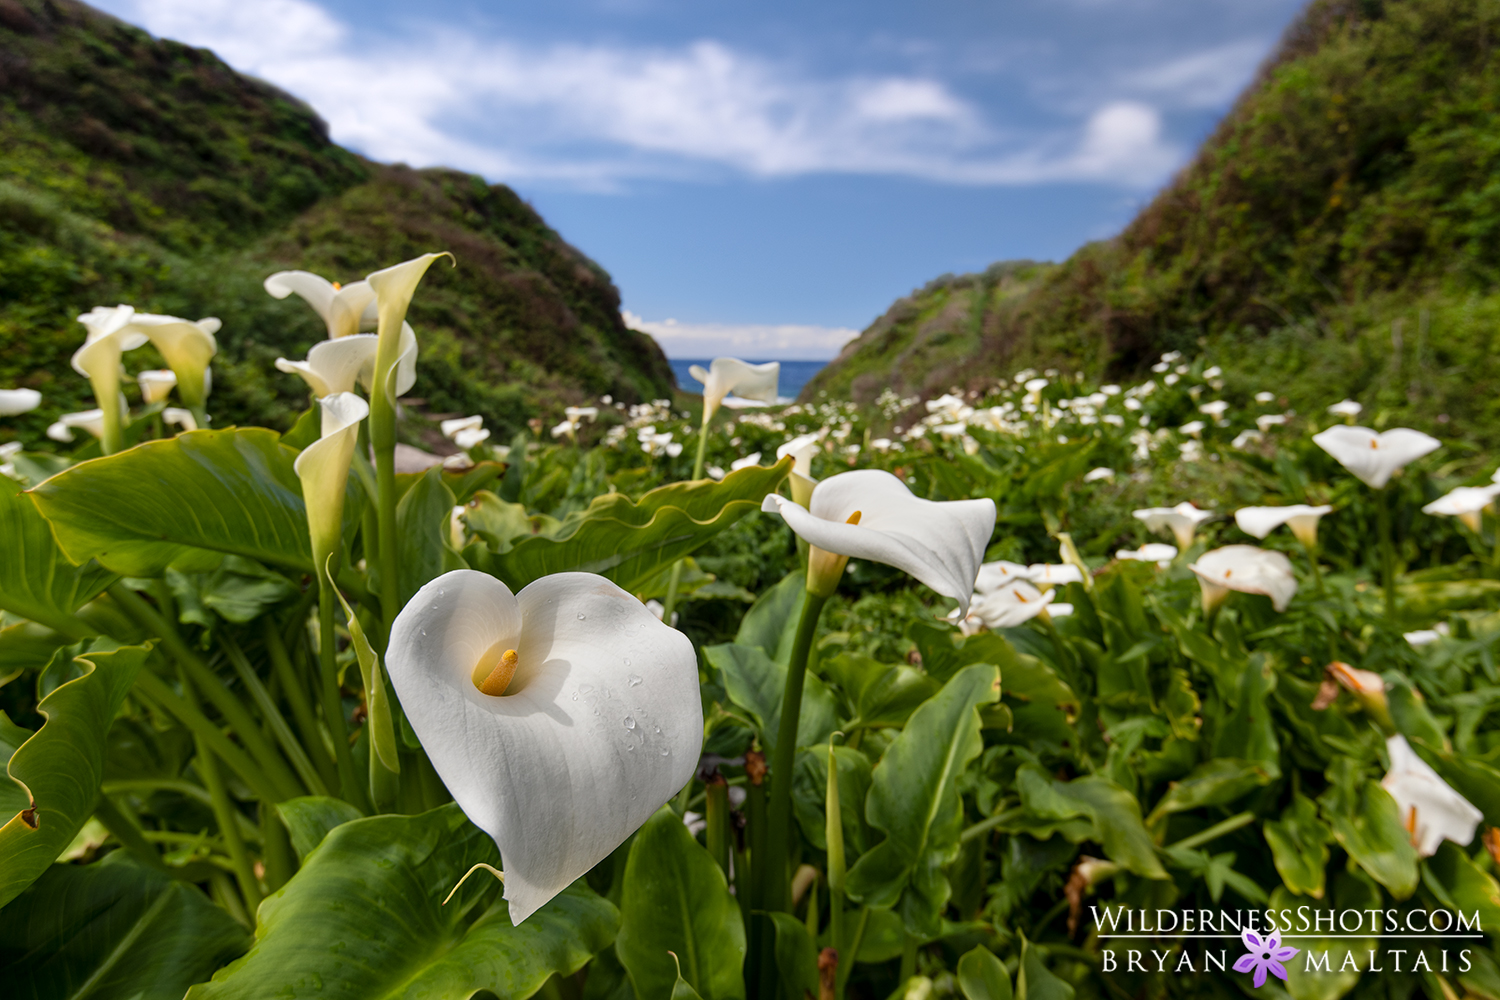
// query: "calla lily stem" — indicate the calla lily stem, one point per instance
point(1387, 551)
point(1317, 571)
point(209, 685)
point(773, 876)
point(199, 725)
point(351, 789)
point(274, 719)
point(296, 693)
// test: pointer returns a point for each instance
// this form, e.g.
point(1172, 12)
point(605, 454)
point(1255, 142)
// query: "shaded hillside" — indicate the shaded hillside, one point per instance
point(1339, 233)
point(139, 170)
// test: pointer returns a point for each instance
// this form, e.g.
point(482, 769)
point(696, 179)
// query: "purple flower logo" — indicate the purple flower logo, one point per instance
point(1265, 955)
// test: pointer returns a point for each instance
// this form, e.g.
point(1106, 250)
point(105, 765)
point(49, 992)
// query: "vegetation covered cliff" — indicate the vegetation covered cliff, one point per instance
point(140, 170)
point(1338, 234)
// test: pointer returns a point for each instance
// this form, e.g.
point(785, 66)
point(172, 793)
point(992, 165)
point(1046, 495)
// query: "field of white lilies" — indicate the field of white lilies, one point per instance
point(970, 696)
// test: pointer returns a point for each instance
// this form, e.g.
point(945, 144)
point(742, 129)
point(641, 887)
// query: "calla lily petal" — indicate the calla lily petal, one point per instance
point(941, 543)
point(186, 346)
point(1055, 574)
point(452, 427)
point(600, 724)
point(1182, 521)
point(177, 416)
point(14, 402)
point(1013, 604)
point(341, 308)
point(1430, 808)
point(394, 288)
point(1156, 552)
point(156, 384)
point(1249, 570)
point(726, 375)
point(1301, 518)
point(1464, 503)
point(88, 420)
point(994, 575)
point(323, 468)
point(1375, 458)
point(334, 366)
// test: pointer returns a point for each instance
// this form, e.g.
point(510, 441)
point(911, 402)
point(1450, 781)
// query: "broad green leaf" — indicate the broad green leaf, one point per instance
point(1215, 782)
point(500, 523)
point(681, 990)
point(37, 580)
point(1299, 846)
point(364, 920)
point(1114, 813)
point(13, 797)
point(27, 646)
point(377, 700)
point(230, 491)
point(61, 766)
point(914, 799)
point(755, 682)
point(1366, 822)
point(982, 976)
point(945, 652)
point(1409, 711)
point(676, 900)
point(116, 928)
point(1467, 887)
point(796, 956)
point(310, 818)
point(810, 796)
point(879, 695)
point(1317, 981)
point(1474, 779)
point(1034, 981)
point(237, 589)
point(629, 541)
point(422, 519)
point(1248, 731)
point(771, 622)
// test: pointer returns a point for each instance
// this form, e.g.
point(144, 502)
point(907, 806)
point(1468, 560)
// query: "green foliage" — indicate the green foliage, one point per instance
point(418, 947)
point(116, 928)
point(61, 766)
point(678, 920)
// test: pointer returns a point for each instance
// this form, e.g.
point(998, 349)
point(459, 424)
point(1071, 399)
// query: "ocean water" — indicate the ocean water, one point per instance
point(794, 374)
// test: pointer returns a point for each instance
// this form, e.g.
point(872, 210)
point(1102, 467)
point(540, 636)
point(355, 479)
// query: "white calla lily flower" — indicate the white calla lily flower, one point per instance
point(1013, 604)
point(1054, 574)
point(85, 420)
point(1182, 521)
point(1431, 810)
point(744, 463)
point(1247, 569)
point(109, 336)
point(1059, 609)
point(323, 468)
point(1374, 458)
point(802, 449)
point(345, 309)
point(187, 346)
point(176, 416)
point(578, 414)
point(1466, 503)
point(14, 402)
point(1094, 475)
point(156, 384)
point(1426, 636)
point(1348, 409)
point(397, 352)
point(469, 437)
point(1301, 518)
point(870, 514)
point(1216, 409)
point(452, 427)
point(1266, 421)
point(731, 375)
point(335, 366)
point(994, 575)
point(1157, 552)
point(560, 718)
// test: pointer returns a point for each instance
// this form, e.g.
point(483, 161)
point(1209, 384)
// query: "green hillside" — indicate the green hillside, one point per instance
point(139, 170)
point(1339, 234)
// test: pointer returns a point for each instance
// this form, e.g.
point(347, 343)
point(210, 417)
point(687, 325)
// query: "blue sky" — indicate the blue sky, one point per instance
point(766, 178)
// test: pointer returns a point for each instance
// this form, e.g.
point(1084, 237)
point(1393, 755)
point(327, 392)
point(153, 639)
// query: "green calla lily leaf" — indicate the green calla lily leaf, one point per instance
point(364, 919)
point(982, 976)
point(755, 682)
point(629, 541)
point(229, 491)
point(1366, 823)
point(116, 928)
point(61, 766)
point(676, 901)
point(309, 818)
point(37, 580)
point(914, 799)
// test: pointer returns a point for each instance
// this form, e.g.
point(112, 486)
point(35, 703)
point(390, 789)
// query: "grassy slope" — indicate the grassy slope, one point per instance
point(1339, 233)
point(140, 170)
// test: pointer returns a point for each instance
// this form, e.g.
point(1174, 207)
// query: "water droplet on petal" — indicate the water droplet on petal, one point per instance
point(635, 679)
point(629, 722)
point(665, 752)
point(575, 695)
point(424, 631)
point(585, 689)
point(581, 616)
point(657, 729)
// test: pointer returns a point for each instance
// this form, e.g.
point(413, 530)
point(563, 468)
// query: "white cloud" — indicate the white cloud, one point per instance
point(598, 115)
point(789, 342)
point(1206, 79)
